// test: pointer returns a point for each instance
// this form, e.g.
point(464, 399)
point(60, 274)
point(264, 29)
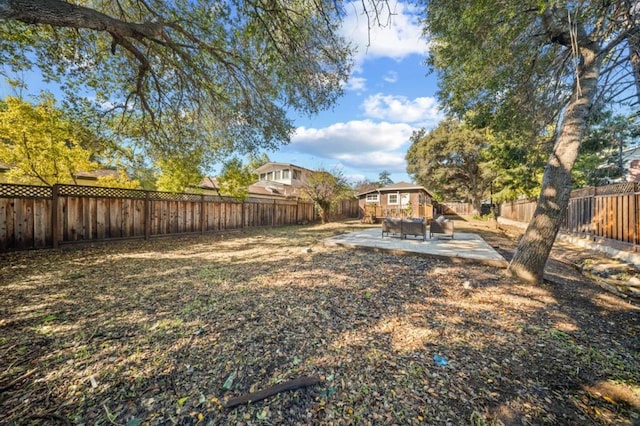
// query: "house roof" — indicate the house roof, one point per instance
point(274, 188)
point(3, 167)
point(209, 183)
point(94, 175)
point(400, 186)
point(273, 165)
point(259, 190)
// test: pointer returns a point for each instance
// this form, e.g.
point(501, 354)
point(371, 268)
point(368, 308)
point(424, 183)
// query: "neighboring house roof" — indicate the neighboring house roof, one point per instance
point(261, 191)
point(94, 175)
point(400, 186)
point(273, 165)
point(3, 167)
point(266, 187)
point(209, 183)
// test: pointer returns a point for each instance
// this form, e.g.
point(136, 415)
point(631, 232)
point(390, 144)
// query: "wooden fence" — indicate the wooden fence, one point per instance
point(453, 207)
point(40, 217)
point(609, 214)
point(347, 208)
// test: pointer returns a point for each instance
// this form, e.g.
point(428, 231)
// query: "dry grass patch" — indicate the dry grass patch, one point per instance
point(151, 332)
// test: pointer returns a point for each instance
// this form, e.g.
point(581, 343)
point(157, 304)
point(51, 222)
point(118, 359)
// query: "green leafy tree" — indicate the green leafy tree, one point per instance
point(326, 189)
point(178, 173)
point(601, 157)
point(236, 177)
point(523, 66)
point(121, 181)
point(452, 159)
point(364, 186)
point(220, 74)
point(515, 165)
point(384, 178)
point(40, 145)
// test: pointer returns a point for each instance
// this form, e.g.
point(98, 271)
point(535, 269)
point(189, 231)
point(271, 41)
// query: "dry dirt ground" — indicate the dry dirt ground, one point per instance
point(165, 331)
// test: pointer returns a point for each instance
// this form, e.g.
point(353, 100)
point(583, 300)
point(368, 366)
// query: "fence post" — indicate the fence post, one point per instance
point(147, 215)
point(55, 226)
point(202, 214)
point(273, 214)
point(242, 214)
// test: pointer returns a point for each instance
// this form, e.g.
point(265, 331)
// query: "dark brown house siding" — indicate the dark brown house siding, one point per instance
point(398, 200)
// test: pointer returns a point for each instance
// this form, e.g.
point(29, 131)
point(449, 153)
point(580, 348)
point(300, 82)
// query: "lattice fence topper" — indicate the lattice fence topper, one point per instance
point(25, 191)
point(618, 188)
point(99, 192)
point(588, 191)
point(171, 196)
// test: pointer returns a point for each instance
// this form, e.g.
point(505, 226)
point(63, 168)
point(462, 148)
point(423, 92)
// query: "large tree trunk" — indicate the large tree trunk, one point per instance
point(535, 245)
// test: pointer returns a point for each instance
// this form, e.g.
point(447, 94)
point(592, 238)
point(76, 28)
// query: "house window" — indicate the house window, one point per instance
point(278, 173)
point(373, 198)
point(263, 176)
point(285, 174)
point(270, 176)
point(392, 199)
point(296, 174)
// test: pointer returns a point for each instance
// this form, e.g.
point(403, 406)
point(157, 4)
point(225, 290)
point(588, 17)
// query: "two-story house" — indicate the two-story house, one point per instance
point(282, 178)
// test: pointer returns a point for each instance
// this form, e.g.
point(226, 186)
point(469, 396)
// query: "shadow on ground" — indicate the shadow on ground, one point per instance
point(152, 331)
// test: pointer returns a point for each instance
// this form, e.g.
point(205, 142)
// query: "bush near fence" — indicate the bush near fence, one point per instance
point(609, 214)
point(41, 217)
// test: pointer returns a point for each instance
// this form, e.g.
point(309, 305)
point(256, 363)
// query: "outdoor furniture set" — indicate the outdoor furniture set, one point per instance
point(417, 227)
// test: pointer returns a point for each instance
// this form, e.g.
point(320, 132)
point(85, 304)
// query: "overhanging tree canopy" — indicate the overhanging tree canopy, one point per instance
point(220, 73)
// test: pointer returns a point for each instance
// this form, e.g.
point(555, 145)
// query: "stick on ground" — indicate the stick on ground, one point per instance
point(293, 384)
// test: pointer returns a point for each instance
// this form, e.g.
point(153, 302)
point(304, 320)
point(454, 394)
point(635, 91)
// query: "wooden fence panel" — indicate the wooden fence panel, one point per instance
point(610, 213)
point(39, 217)
point(25, 217)
point(450, 208)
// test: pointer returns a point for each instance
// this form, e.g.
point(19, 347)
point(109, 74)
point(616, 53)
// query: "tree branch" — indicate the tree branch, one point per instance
point(62, 14)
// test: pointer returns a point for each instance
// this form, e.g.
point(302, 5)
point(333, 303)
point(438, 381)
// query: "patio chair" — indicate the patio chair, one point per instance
point(391, 225)
point(442, 227)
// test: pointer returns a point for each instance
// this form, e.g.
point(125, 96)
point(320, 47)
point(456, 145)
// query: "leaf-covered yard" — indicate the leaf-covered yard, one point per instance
point(155, 332)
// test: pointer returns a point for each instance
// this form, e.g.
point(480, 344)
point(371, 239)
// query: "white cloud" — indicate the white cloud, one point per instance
point(351, 138)
point(357, 84)
point(363, 145)
point(391, 77)
point(392, 162)
point(424, 110)
point(396, 36)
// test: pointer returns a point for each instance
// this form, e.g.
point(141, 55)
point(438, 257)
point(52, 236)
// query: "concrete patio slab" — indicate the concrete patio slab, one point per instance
point(464, 247)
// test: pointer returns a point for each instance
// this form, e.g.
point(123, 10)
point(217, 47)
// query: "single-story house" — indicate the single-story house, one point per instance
point(400, 199)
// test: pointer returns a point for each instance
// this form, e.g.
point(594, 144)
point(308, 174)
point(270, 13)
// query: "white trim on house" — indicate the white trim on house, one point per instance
point(373, 197)
point(285, 173)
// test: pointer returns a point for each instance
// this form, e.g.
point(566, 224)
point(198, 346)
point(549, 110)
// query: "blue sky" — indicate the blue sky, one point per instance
point(388, 96)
